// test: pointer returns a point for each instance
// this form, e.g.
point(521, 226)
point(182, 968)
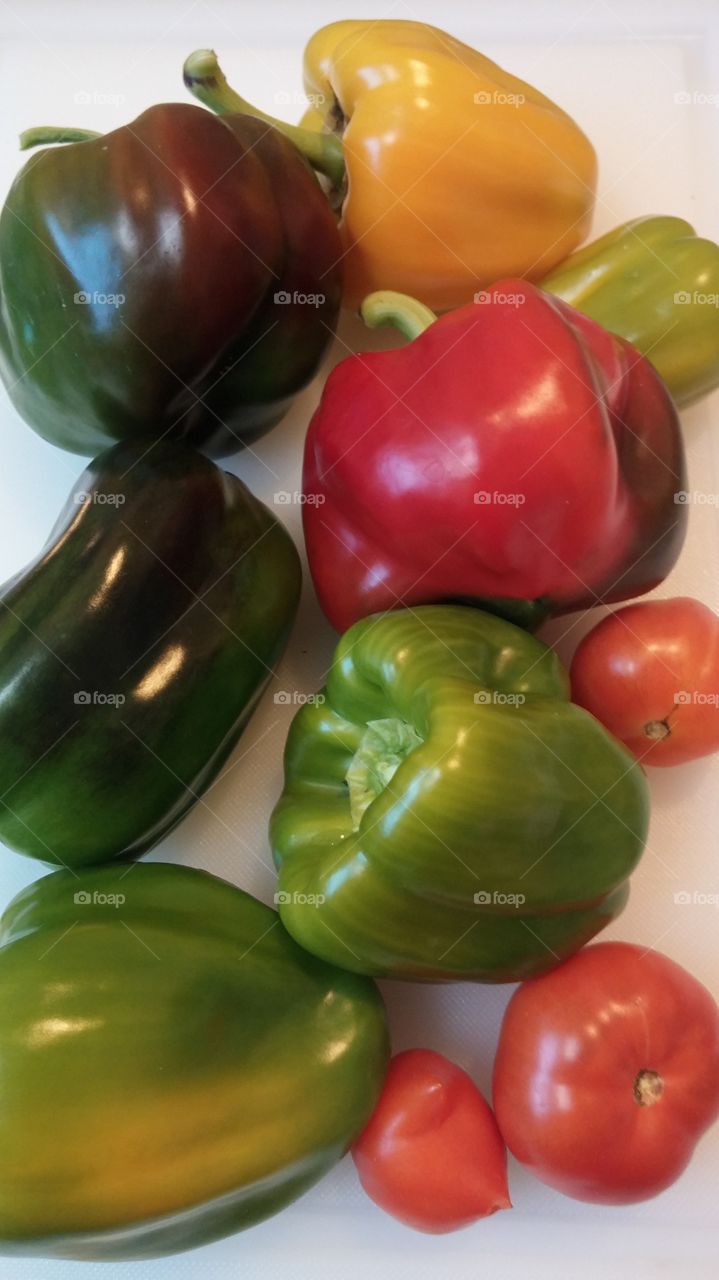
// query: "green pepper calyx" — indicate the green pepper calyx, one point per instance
point(383, 747)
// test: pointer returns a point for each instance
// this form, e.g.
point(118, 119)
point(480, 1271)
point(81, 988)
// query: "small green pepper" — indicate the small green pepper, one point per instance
point(133, 651)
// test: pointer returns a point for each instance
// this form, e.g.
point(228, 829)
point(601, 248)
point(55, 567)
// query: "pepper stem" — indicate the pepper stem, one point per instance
point(206, 81)
point(398, 310)
point(44, 134)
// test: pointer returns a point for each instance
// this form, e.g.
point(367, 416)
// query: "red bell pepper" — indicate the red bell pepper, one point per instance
point(513, 451)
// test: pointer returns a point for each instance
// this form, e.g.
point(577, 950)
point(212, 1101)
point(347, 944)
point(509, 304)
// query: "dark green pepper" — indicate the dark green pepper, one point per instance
point(176, 277)
point(133, 650)
point(447, 811)
point(174, 1066)
point(655, 282)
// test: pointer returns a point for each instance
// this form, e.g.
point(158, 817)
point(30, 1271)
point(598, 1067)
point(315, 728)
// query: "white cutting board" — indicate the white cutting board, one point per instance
point(617, 69)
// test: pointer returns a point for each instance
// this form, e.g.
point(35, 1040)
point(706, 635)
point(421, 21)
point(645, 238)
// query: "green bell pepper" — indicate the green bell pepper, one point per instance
point(447, 811)
point(133, 651)
point(174, 1066)
point(654, 282)
point(177, 277)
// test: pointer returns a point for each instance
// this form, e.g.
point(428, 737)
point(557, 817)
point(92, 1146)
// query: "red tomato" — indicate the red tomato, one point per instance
point(431, 1154)
point(650, 673)
point(607, 1073)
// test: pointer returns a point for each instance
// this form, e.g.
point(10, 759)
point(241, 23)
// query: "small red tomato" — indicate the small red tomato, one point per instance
point(431, 1154)
point(650, 673)
point(607, 1073)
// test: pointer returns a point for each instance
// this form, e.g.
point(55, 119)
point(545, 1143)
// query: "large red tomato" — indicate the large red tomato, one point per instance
point(431, 1154)
point(607, 1073)
point(650, 673)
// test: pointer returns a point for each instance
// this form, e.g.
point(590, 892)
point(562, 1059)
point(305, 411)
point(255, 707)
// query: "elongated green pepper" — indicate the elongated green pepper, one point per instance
point(133, 651)
point(174, 1067)
point(655, 282)
point(447, 811)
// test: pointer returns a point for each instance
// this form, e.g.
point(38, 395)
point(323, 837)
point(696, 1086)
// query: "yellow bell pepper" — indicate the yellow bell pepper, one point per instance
point(452, 173)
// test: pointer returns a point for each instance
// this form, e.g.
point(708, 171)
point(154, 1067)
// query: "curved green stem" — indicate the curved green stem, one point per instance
point(398, 310)
point(206, 81)
point(44, 134)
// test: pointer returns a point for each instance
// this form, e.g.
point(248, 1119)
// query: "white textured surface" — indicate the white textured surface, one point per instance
point(616, 68)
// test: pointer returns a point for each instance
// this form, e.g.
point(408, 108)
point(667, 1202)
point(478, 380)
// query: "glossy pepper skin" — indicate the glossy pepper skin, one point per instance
point(514, 451)
point(447, 812)
point(655, 282)
point(133, 651)
point(174, 1067)
point(204, 228)
point(458, 173)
